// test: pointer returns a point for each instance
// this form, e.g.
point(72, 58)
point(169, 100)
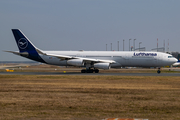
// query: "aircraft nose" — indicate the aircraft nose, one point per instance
point(175, 60)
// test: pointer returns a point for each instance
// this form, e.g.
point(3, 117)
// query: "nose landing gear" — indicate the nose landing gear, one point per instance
point(159, 70)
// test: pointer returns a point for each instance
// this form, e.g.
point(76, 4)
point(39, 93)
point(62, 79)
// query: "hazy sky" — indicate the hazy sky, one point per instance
point(89, 24)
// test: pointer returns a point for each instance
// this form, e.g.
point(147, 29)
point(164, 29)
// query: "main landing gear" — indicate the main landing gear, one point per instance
point(89, 70)
point(159, 70)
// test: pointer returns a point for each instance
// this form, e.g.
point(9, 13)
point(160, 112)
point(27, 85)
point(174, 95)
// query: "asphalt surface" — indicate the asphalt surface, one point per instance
point(94, 74)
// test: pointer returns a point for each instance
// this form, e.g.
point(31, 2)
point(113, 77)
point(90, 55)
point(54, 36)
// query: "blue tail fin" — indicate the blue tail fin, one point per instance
point(22, 41)
point(25, 46)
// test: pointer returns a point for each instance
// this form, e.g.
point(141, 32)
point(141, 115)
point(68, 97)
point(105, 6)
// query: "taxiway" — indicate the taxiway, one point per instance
point(91, 74)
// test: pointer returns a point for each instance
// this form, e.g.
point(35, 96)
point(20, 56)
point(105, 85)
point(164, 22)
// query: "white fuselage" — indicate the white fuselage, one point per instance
point(121, 58)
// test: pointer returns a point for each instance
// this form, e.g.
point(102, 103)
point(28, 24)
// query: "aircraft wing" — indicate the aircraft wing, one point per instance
point(63, 57)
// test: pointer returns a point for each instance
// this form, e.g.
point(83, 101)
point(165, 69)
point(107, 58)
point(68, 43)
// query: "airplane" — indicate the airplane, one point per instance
point(92, 61)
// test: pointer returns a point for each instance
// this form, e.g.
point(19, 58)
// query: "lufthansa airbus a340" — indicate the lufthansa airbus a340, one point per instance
point(91, 60)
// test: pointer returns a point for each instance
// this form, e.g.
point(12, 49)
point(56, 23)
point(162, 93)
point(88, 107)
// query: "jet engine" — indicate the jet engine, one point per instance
point(102, 65)
point(75, 62)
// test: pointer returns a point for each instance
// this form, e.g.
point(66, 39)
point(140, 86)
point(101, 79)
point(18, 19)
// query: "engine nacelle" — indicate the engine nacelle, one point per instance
point(75, 62)
point(102, 65)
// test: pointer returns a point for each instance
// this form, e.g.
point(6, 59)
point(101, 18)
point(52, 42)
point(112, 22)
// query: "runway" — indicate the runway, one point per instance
point(91, 74)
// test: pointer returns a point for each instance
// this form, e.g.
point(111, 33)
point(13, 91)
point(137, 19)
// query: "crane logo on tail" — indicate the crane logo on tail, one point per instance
point(22, 43)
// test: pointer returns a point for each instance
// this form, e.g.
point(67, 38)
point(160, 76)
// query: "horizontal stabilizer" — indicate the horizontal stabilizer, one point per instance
point(18, 53)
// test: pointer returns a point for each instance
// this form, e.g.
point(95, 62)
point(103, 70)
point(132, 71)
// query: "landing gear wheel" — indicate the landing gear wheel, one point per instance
point(96, 71)
point(159, 71)
point(83, 71)
point(87, 71)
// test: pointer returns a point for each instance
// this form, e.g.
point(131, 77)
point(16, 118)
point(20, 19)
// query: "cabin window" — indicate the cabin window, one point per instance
point(170, 56)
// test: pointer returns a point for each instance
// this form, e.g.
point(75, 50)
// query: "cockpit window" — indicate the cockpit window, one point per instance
point(170, 56)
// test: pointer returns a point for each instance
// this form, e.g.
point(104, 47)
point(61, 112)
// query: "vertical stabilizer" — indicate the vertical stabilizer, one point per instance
point(26, 48)
point(23, 43)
